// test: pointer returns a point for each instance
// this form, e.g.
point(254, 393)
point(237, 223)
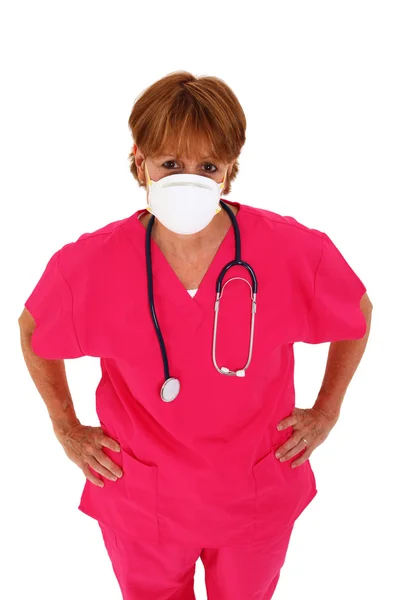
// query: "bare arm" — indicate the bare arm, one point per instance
point(83, 444)
point(50, 379)
point(343, 360)
point(311, 426)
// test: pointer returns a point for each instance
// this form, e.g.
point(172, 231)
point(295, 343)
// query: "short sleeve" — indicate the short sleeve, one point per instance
point(335, 312)
point(51, 304)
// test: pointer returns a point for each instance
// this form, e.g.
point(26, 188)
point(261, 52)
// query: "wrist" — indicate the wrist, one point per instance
point(328, 406)
point(62, 425)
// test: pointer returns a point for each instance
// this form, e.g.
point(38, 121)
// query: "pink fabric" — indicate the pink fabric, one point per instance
point(200, 470)
point(164, 570)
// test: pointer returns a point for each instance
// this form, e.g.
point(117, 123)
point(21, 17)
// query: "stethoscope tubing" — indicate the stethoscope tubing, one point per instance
point(151, 297)
point(236, 262)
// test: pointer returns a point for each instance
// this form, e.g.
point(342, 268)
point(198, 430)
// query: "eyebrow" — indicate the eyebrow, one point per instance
point(201, 157)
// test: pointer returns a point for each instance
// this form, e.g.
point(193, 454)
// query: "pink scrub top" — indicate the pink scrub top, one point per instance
point(199, 470)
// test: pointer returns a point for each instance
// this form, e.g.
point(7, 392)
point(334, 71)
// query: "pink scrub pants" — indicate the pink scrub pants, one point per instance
point(165, 571)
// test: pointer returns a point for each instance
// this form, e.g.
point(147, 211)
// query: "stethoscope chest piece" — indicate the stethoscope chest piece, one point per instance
point(171, 386)
point(170, 389)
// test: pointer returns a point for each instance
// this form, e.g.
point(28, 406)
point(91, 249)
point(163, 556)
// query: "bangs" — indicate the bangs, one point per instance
point(188, 131)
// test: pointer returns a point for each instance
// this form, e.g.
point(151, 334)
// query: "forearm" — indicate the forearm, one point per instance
point(343, 360)
point(49, 377)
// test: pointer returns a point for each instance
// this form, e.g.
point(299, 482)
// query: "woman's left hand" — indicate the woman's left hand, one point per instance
point(308, 423)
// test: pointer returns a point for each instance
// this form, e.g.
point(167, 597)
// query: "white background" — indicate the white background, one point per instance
point(319, 83)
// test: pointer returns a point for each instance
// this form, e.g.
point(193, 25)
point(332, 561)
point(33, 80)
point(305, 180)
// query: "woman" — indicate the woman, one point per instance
point(201, 451)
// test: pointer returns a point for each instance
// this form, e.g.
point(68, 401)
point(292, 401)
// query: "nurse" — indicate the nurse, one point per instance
point(193, 305)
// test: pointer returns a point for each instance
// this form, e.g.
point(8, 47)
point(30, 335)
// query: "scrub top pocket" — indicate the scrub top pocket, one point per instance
point(128, 504)
point(282, 493)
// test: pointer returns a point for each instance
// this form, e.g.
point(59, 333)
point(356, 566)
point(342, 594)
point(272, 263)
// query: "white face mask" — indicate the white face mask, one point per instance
point(184, 203)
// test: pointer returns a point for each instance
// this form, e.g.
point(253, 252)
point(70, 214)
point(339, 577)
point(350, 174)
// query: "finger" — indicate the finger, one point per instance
point(89, 475)
point(104, 440)
point(290, 443)
point(284, 448)
point(302, 459)
point(297, 446)
point(106, 461)
point(287, 422)
point(97, 466)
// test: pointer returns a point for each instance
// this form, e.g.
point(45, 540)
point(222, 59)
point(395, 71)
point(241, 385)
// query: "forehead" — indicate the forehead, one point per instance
point(192, 150)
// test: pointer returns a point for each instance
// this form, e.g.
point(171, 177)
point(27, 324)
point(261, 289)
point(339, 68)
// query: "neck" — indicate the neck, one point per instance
point(191, 245)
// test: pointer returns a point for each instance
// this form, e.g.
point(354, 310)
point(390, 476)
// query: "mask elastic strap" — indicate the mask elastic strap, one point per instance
point(150, 183)
point(221, 185)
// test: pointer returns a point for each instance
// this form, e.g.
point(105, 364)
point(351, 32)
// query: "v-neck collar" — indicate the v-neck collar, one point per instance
point(168, 285)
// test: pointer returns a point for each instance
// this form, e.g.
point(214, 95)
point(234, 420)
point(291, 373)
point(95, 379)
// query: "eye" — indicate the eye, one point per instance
point(167, 166)
point(167, 162)
point(211, 165)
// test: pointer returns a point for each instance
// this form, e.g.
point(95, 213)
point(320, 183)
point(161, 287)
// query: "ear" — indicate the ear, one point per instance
point(139, 158)
point(230, 167)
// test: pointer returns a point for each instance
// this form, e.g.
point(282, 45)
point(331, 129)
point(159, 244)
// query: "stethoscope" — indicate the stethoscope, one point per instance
point(171, 386)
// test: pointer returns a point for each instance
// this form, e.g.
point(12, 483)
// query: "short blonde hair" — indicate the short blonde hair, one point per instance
point(182, 113)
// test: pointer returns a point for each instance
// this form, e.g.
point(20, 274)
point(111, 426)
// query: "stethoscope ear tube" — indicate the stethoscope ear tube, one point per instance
point(224, 370)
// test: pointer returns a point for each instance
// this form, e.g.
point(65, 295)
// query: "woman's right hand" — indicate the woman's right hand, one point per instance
point(83, 445)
